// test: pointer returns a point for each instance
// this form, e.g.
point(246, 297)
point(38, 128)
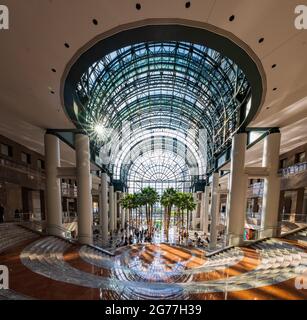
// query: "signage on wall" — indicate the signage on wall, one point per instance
point(4, 277)
point(4, 17)
point(300, 21)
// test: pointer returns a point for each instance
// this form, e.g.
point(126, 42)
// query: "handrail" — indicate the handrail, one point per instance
point(224, 249)
point(41, 233)
point(293, 231)
point(64, 230)
point(101, 250)
point(27, 225)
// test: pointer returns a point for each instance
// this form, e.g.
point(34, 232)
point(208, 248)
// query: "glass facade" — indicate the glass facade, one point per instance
point(158, 112)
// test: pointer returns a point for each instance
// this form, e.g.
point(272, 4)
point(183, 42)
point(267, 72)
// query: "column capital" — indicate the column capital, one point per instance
point(273, 130)
point(240, 131)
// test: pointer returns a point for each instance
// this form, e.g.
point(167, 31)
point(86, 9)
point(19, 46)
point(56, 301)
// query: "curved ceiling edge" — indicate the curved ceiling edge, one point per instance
point(166, 30)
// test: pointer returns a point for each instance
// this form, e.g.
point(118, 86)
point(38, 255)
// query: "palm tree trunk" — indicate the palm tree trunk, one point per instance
point(167, 218)
point(147, 217)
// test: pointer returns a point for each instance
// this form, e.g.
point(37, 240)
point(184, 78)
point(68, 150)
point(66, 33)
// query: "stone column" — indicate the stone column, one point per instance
point(299, 204)
point(270, 203)
point(214, 204)
point(103, 209)
point(53, 186)
point(111, 208)
point(205, 209)
point(237, 190)
point(84, 182)
point(123, 213)
point(194, 212)
point(118, 210)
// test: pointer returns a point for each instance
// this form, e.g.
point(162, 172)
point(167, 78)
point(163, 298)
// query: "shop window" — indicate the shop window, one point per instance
point(283, 163)
point(300, 157)
point(26, 158)
point(6, 150)
point(40, 164)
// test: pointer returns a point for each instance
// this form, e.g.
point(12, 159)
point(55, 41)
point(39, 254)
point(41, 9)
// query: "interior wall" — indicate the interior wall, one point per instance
point(13, 201)
point(36, 204)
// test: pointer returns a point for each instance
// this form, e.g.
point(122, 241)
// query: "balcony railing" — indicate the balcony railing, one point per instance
point(254, 218)
point(295, 218)
point(255, 190)
point(69, 190)
point(299, 167)
point(21, 167)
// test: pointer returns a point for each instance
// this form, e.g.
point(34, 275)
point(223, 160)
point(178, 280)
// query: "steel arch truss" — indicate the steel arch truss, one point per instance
point(155, 93)
point(159, 169)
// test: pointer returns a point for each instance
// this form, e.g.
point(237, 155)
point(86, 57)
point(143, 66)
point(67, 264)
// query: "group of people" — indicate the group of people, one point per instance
point(124, 237)
point(199, 241)
point(143, 235)
point(17, 214)
point(202, 242)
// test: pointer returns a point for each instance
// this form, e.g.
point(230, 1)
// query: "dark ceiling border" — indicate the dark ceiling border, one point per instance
point(203, 34)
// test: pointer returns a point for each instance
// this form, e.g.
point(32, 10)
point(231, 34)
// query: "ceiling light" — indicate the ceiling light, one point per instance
point(99, 129)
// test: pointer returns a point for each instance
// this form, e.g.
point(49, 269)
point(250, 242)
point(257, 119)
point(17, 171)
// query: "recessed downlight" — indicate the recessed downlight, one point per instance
point(138, 6)
point(231, 18)
point(188, 4)
point(261, 40)
point(95, 22)
point(66, 45)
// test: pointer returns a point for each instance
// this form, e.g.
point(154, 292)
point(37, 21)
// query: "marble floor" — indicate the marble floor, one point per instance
point(51, 268)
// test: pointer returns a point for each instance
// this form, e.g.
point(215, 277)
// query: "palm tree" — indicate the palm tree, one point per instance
point(168, 200)
point(139, 202)
point(149, 198)
point(179, 202)
point(184, 201)
point(189, 205)
point(129, 202)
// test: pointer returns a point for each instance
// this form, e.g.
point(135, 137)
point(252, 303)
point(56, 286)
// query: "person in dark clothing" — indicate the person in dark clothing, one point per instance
point(130, 240)
point(1, 214)
point(17, 214)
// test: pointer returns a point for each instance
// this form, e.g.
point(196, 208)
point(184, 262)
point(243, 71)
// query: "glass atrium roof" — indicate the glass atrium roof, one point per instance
point(161, 110)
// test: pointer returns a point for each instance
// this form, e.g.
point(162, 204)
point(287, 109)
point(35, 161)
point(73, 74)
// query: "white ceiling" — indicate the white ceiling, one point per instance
point(34, 45)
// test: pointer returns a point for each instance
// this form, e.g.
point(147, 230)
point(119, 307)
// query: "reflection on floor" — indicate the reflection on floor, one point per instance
point(51, 268)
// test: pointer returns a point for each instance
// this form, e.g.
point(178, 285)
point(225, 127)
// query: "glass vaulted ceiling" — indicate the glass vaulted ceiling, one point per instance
point(158, 112)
